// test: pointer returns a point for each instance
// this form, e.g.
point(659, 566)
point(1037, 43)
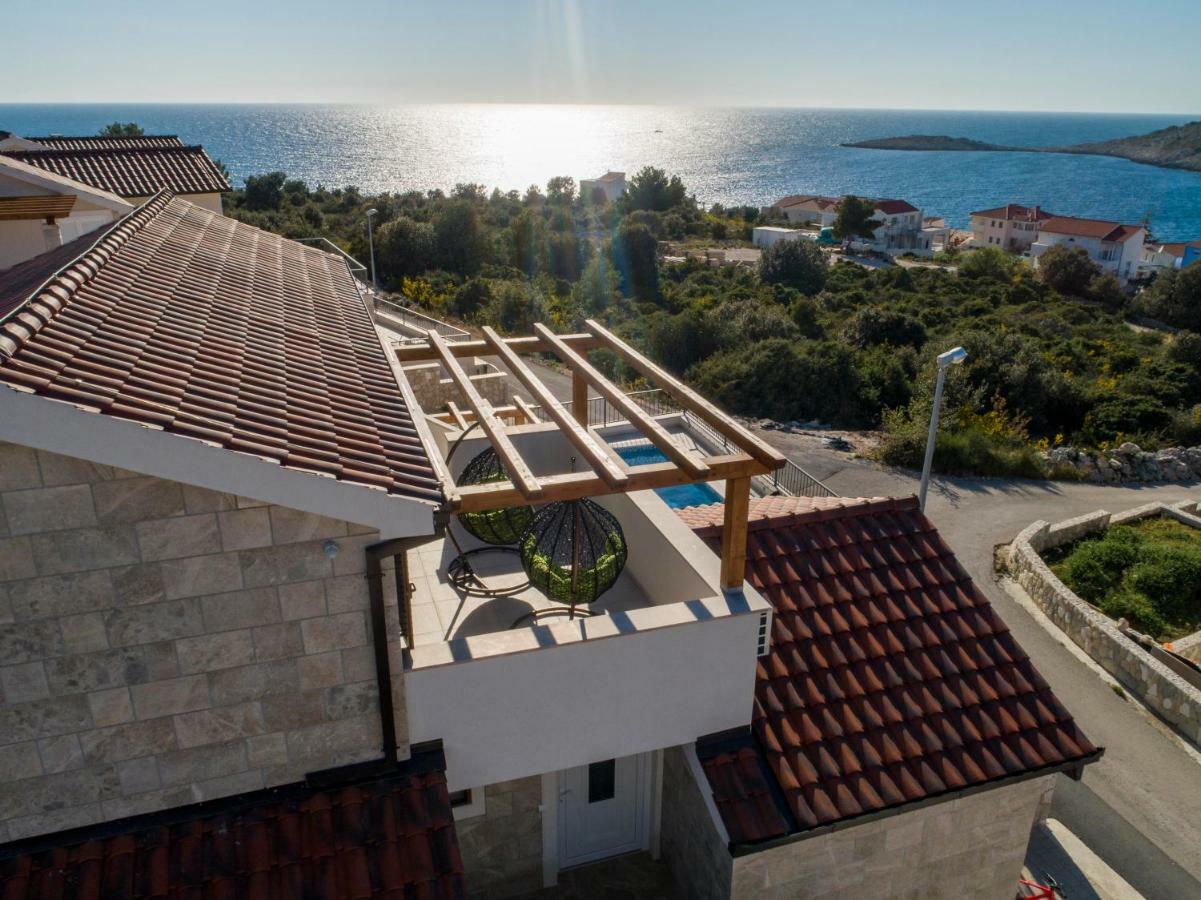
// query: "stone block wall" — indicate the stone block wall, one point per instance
point(1171, 697)
point(433, 389)
point(689, 840)
point(970, 848)
point(162, 644)
point(502, 849)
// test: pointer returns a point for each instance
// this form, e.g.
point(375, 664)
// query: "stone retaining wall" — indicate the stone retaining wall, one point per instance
point(1170, 696)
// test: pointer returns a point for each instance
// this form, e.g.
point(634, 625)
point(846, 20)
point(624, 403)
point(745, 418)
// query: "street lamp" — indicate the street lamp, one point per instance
point(371, 213)
point(950, 358)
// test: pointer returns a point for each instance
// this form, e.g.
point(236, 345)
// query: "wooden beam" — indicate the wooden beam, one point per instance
point(658, 436)
point(741, 437)
point(408, 353)
point(493, 427)
point(573, 486)
point(526, 409)
point(733, 532)
point(579, 398)
point(600, 461)
point(457, 415)
point(41, 206)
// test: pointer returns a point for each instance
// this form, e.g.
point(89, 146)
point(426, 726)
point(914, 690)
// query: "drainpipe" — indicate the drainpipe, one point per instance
point(398, 549)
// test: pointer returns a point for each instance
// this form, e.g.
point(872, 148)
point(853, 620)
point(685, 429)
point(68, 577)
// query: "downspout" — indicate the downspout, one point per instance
point(398, 549)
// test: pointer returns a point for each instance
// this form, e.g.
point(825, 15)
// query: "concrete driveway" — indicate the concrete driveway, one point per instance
point(1139, 808)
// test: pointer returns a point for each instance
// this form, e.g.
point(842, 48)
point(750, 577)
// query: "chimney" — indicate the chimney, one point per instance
point(51, 235)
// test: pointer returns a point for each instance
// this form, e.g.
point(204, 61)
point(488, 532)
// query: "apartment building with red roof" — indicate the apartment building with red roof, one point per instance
point(1114, 247)
point(1011, 227)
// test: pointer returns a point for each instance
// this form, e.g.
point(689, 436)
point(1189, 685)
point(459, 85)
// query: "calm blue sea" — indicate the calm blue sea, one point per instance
point(730, 156)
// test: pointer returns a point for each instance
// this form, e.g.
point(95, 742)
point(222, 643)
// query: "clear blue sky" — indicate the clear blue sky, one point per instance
point(1009, 54)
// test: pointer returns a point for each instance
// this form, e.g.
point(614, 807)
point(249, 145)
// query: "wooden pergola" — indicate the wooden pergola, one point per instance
point(607, 472)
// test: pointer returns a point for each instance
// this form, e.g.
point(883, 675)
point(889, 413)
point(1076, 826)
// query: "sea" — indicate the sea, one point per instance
point(729, 156)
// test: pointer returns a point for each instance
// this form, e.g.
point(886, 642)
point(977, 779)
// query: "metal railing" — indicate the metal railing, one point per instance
point(356, 267)
point(791, 480)
point(418, 322)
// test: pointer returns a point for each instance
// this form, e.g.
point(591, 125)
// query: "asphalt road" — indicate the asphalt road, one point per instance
point(1139, 807)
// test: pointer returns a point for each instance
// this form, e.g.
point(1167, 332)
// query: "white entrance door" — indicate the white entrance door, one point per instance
point(604, 809)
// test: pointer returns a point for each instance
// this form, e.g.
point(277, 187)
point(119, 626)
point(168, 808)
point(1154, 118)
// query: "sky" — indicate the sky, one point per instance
point(1062, 55)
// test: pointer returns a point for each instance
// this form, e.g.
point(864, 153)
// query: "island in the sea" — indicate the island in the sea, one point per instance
point(1175, 147)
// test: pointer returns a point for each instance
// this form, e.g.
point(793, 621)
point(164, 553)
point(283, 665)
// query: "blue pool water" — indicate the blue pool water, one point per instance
point(676, 497)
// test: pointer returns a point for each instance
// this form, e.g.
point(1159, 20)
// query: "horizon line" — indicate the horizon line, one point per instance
point(762, 106)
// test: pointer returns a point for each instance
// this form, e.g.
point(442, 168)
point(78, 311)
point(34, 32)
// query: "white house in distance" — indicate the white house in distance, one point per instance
point(612, 185)
point(812, 209)
point(1158, 257)
point(41, 211)
point(1115, 247)
point(1011, 227)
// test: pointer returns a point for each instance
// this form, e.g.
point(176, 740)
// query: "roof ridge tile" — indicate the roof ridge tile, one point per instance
point(55, 294)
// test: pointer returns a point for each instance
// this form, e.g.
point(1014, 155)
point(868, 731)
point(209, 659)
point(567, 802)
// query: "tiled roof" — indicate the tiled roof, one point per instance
point(812, 201)
point(105, 141)
point(893, 207)
point(1015, 212)
point(1093, 228)
point(889, 678)
point(393, 836)
point(1175, 248)
point(20, 281)
point(183, 320)
point(135, 171)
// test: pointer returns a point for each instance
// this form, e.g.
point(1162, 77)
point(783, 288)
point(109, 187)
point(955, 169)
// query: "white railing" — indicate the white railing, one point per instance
point(418, 322)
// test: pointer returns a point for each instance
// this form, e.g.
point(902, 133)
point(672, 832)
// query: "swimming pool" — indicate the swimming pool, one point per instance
point(699, 494)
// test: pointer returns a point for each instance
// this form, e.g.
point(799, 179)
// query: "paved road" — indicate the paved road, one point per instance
point(1139, 808)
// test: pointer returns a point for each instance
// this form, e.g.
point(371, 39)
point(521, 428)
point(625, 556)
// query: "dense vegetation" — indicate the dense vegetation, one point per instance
point(1148, 573)
point(1051, 358)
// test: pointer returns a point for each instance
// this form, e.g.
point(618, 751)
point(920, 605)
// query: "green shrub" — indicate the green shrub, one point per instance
point(1135, 609)
point(1170, 577)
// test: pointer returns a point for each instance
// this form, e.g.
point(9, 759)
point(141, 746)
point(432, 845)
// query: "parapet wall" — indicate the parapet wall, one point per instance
point(1171, 697)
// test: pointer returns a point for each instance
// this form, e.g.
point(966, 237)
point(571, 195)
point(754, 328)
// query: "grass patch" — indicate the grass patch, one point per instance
point(1148, 573)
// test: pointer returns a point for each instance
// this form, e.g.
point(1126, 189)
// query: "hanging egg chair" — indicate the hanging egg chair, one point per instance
point(493, 526)
point(573, 551)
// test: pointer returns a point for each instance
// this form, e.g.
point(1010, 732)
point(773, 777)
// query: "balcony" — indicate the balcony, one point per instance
point(513, 687)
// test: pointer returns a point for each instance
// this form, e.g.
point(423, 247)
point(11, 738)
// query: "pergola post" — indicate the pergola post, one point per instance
point(579, 398)
point(733, 533)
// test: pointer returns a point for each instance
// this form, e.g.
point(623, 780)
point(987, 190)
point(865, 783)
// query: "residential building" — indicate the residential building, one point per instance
point(902, 228)
point(764, 236)
point(611, 186)
point(1158, 257)
point(132, 167)
point(902, 743)
point(812, 209)
point(247, 612)
point(1011, 227)
point(1114, 247)
point(41, 211)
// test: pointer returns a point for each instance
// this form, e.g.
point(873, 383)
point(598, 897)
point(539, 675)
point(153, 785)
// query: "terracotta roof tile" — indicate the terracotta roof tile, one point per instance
point(389, 837)
point(105, 141)
point(182, 319)
point(1092, 228)
point(132, 171)
point(889, 679)
point(1015, 212)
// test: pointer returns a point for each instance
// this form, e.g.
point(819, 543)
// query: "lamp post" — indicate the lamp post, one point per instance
point(951, 358)
point(372, 213)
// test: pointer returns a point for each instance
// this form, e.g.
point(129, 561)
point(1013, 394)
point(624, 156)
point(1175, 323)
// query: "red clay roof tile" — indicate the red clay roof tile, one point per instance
point(393, 836)
point(890, 678)
point(182, 319)
point(132, 171)
point(106, 141)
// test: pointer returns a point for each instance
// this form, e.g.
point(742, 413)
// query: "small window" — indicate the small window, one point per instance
point(467, 803)
point(602, 781)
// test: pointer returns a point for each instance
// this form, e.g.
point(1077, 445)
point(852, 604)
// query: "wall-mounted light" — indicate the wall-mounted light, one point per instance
point(330, 548)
